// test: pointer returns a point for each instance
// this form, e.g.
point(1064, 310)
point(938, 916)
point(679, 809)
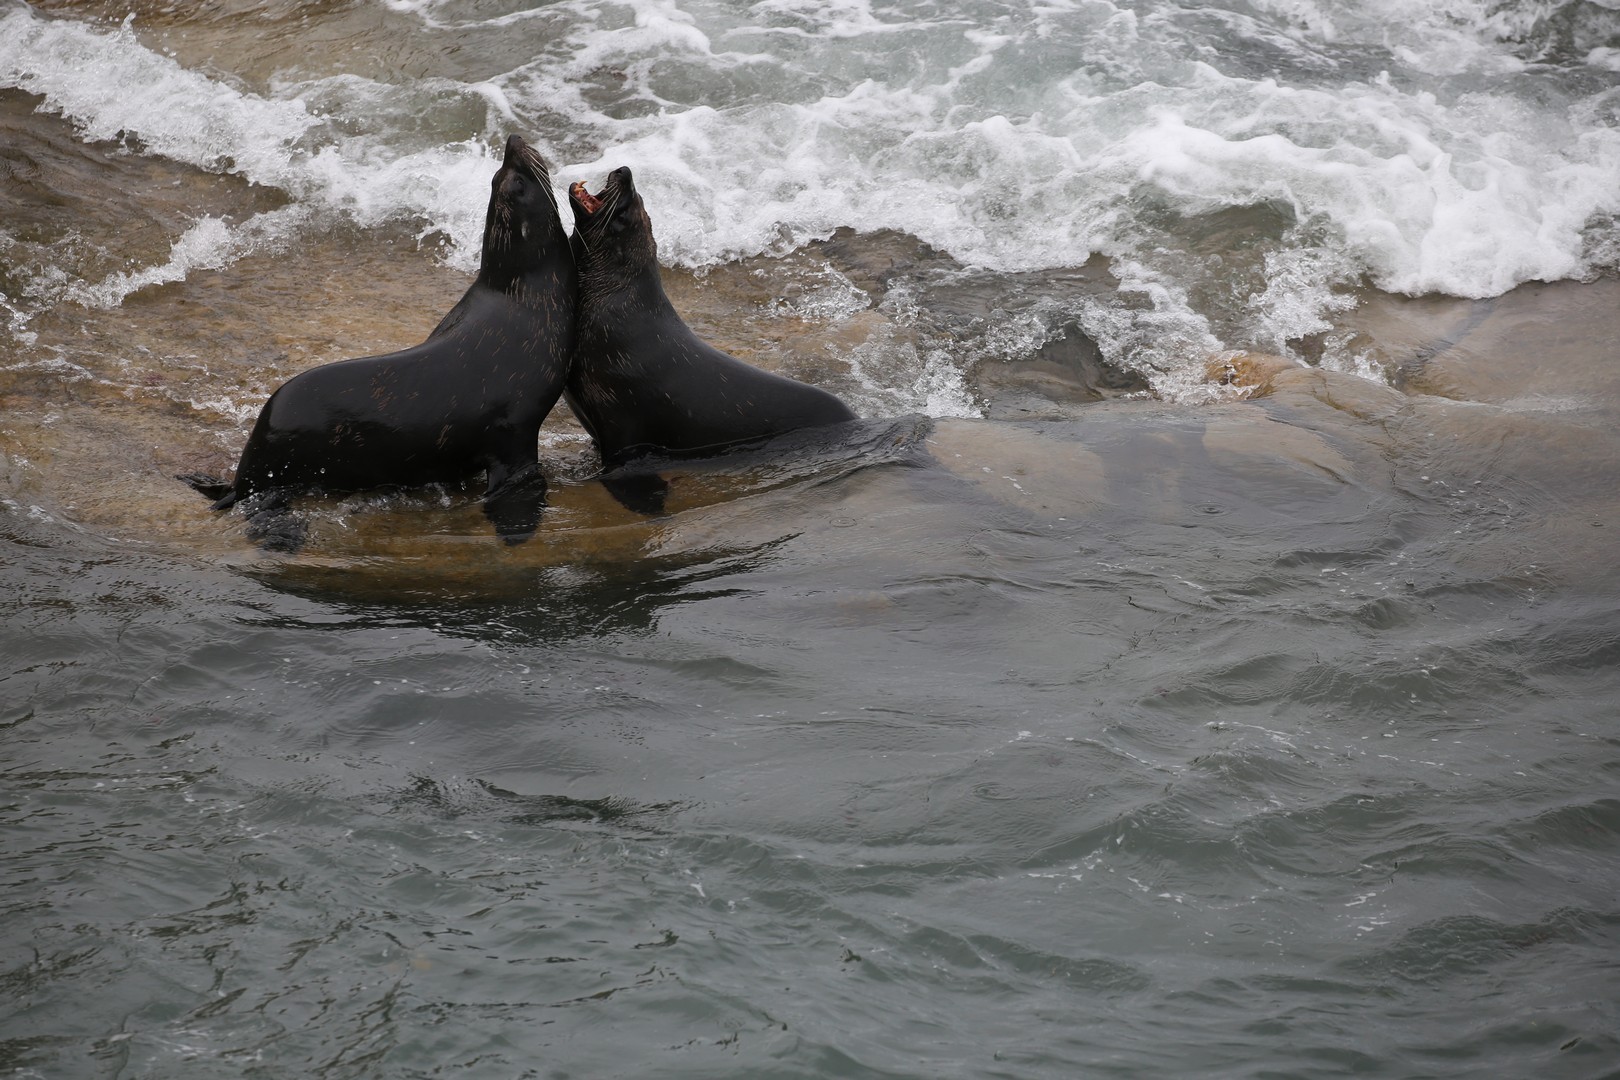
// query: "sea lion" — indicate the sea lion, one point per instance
point(469, 399)
point(641, 381)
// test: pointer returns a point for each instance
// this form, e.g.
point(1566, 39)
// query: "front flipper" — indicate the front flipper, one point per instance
point(514, 501)
point(272, 524)
point(643, 493)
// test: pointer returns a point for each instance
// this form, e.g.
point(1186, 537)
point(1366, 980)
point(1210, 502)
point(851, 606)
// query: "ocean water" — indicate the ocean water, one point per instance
point(1208, 667)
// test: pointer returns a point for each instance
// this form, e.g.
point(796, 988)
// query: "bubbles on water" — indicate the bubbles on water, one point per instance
point(240, 412)
point(894, 377)
point(1016, 335)
point(1162, 338)
point(1302, 289)
point(823, 295)
point(17, 321)
point(55, 365)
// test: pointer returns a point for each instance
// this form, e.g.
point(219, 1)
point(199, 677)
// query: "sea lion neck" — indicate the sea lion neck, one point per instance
point(619, 268)
point(610, 288)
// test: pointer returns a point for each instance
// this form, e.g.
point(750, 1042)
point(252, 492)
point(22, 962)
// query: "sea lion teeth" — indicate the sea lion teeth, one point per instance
point(588, 202)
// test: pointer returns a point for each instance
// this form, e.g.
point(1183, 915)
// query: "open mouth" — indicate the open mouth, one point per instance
point(584, 199)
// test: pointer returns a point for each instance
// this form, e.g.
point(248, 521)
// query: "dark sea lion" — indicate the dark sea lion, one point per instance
point(469, 399)
point(641, 381)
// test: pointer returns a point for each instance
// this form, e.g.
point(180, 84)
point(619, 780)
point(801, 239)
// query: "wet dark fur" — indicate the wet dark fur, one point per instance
point(469, 399)
point(641, 381)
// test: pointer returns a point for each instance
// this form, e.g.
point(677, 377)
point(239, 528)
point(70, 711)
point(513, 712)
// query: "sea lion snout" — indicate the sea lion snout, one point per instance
point(521, 159)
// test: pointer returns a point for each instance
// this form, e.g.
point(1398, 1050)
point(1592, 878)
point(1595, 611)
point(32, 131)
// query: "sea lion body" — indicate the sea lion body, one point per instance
point(641, 381)
point(469, 399)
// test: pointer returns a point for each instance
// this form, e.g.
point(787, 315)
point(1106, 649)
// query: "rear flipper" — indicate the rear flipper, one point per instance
point(514, 501)
point(222, 491)
point(643, 493)
point(272, 524)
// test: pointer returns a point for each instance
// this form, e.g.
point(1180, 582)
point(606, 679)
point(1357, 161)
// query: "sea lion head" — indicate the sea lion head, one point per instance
point(522, 231)
point(613, 227)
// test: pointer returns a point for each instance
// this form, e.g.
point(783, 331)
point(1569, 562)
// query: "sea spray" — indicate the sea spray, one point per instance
point(1460, 148)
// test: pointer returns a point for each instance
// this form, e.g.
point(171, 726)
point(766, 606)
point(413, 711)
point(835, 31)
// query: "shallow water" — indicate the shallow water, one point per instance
point(1167, 710)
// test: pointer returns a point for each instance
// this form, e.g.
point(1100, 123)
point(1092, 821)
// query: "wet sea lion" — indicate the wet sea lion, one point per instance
point(641, 381)
point(469, 399)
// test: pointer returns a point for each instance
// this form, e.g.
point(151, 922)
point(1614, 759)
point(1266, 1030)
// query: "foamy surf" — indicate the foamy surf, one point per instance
point(1455, 148)
point(148, 100)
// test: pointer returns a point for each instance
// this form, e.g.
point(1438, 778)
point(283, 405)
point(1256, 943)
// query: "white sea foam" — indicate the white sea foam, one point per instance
point(278, 142)
point(1412, 182)
point(892, 377)
point(1421, 145)
point(831, 299)
point(1469, 200)
point(208, 245)
point(175, 112)
point(16, 320)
